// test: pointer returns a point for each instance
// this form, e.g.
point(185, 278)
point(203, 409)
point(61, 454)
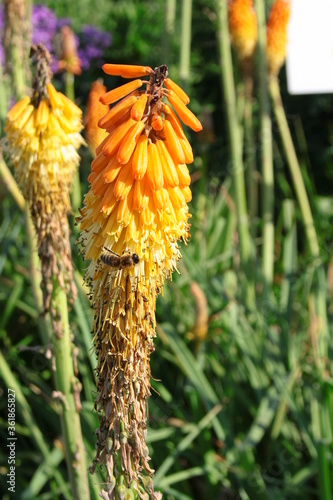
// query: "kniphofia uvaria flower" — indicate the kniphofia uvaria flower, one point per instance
point(42, 139)
point(277, 25)
point(243, 28)
point(135, 213)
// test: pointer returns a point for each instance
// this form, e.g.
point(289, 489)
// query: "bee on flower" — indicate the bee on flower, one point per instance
point(136, 208)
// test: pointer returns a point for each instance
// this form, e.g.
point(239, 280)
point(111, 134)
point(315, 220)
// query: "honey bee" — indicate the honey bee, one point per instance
point(126, 260)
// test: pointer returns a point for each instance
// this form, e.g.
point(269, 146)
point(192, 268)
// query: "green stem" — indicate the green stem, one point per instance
point(185, 46)
point(235, 145)
point(11, 184)
point(267, 152)
point(294, 168)
point(169, 29)
point(67, 387)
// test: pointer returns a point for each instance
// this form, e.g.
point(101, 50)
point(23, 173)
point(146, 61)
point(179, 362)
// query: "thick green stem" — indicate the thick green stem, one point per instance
point(235, 145)
point(294, 168)
point(185, 45)
point(11, 185)
point(266, 152)
point(68, 390)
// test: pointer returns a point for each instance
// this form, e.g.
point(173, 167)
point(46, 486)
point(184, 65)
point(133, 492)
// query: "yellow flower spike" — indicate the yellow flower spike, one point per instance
point(180, 92)
point(169, 169)
point(139, 107)
point(126, 70)
point(183, 175)
point(113, 141)
point(243, 28)
point(154, 169)
point(173, 143)
point(120, 92)
point(140, 158)
point(124, 182)
point(183, 112)
point(137, 210)
point(129, 142)
point(117, 111)
point(277, 25)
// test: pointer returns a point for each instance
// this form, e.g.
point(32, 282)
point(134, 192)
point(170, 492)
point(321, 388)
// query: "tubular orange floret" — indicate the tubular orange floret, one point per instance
point(139, 107)
point(113, 140)
point(187, 149)
point(157, 122)
point(172, 118)
point(184, 113)
point(124, 182)
point(187, 193)
point(180, 92)
point(169, 169)
point(173, 143)
point(140, 198)
point(140, 158)
point(154, 169)
point(129, 142)
point(120, 92)
point(54, 96)
point(183, 174)
point(117, 111)
point(99, 163)
point(112, 170)
point(126, 70)
point(176, 197)
point(161, 198)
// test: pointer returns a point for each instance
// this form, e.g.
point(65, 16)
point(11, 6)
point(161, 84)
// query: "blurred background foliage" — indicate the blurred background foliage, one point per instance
point(242, 405)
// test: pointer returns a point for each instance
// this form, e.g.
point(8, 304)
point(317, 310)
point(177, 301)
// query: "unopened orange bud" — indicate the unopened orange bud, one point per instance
point(140, 158)
point(129, 142)
point(126, 70)
point(117, 112)
point(169, 169)
point(173, 143)
point(139, 107)
point(184, 113)
point(180, 92)
point(157, 122)
point(120, 92)
point(154, 169)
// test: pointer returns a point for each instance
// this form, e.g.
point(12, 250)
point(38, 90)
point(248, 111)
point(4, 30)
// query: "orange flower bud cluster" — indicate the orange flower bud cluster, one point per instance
point(277, 35)
point(135, 213)
point(243, 28)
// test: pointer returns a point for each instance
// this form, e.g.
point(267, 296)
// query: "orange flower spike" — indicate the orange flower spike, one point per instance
point(120, 92)
point(140, 158)
point(173, 143)
point(126, 70)
point(157, 122)
point(117, 111)
point(243, 27)
point(115, 139)
point(124, 182)
point(129, 142)
point(183, 175)
point(139, 107)
point(184, 113)
point(169, 169)
point(154, 169)
point(177, 90)
point(277, 35)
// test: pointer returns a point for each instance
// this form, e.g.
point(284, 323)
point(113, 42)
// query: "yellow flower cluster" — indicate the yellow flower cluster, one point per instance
point(243, 28)
point(135, 213)
point(277, 35)
point(42, 141)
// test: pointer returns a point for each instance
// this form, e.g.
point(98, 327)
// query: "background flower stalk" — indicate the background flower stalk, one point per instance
point(135, 213)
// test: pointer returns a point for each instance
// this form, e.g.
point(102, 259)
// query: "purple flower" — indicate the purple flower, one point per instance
point(44, 25)
point(92, 44)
